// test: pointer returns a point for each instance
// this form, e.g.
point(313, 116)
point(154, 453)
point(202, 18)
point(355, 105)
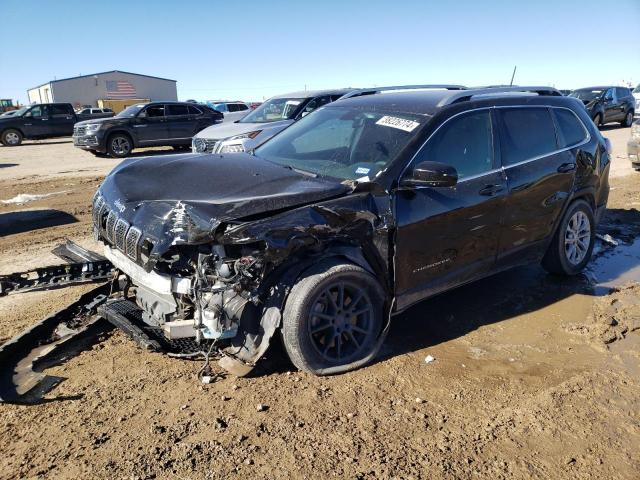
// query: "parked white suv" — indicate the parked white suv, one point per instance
point(232, 110)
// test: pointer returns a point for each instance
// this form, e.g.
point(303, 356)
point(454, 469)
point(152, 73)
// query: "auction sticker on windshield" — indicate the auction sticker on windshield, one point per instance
point(396, 122)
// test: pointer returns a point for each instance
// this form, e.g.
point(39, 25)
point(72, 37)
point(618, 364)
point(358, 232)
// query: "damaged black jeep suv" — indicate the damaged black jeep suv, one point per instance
point(351, 215)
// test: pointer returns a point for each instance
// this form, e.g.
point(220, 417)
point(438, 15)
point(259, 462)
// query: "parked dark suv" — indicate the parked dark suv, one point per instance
point(352, 214)
point(145, 125)
point(608, 104)
point(37, 121)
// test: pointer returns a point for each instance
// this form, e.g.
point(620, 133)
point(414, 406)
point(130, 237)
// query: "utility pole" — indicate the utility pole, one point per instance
point(513, 75)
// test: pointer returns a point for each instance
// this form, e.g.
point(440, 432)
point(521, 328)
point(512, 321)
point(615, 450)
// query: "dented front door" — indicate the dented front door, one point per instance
point(447, 236)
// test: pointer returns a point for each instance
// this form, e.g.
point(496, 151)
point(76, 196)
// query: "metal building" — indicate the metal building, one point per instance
point(113, 85)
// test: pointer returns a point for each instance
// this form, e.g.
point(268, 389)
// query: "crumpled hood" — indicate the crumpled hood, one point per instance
point(226, 130)
point(181, 199)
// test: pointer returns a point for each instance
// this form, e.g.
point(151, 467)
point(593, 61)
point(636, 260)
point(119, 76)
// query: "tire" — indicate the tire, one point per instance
point(597, 119)
point(97, 154)
point(334, 342)
point(11, 138)
point(568, 254)
point(628, 119)
point(119, 145)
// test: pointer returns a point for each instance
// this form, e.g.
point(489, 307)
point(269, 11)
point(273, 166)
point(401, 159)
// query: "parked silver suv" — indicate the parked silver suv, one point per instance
point(264, 122)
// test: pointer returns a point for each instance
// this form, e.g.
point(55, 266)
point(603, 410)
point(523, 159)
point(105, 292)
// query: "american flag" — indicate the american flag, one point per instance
point(120, 89)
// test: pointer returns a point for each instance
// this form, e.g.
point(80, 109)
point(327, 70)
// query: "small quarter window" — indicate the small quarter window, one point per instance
point(527, 133)
point(194, 111)
point(571, 130)
point(464, 142)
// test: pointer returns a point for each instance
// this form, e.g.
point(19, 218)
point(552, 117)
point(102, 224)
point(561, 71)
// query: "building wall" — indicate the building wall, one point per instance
point(41, 94)
point(88, 90)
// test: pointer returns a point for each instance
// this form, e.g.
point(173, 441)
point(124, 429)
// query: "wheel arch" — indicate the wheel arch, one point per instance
point(17, 129)
point(124, 131)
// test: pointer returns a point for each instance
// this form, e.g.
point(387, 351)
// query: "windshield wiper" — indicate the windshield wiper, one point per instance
point(303, 172)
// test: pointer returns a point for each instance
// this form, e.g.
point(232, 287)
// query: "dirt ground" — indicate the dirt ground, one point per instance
point(534, 376)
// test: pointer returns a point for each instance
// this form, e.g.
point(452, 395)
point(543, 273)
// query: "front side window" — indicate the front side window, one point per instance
point(316, 103)
point(154, 111)
point(570, 128)
point(527, 133)
point(464, 142)
point(343, 143)
point(131, 111)
point(610, 95)
point(39, 111)
point(273, 110)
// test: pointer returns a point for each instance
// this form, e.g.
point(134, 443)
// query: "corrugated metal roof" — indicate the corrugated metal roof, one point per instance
point(101, 73)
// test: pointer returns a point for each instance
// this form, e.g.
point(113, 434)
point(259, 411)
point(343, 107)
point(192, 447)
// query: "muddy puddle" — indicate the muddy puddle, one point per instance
point(615, 266)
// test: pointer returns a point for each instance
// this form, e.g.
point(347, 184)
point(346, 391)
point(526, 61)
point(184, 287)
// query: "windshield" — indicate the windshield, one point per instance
point(586, 94)
point(342, 143)
point(131, 111)
point(273, 110)
point(19, 112)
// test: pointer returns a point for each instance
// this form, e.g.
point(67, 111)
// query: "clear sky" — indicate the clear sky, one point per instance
point(249, 49)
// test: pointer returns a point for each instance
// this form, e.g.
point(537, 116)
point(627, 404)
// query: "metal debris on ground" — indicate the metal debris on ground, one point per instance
point(608, 239)
point(429, 359)
point(83, 267)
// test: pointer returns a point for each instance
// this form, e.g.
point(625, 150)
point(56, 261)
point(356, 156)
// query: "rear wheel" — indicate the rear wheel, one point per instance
point(119, 145)
point(628, 119)
point(333, 318)
point(11, 138)
point(572, 244)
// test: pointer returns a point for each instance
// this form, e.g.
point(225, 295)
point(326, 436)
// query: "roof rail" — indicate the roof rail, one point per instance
point(466, 95)
point(371, 91)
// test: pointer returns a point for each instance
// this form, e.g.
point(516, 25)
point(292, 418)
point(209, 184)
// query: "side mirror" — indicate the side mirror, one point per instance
point(431, 174)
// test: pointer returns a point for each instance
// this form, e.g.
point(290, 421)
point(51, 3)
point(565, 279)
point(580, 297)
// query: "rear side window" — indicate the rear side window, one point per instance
point(570, 128)
point(464, 142)
point(232, 107)
point(194, 111)
point(242, 107)
point(527, 133)
point(57, 110)
point(622, 92)
point(178, 110)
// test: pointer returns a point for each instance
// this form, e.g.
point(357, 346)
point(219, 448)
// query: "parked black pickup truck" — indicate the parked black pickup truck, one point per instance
point(42, 120)
point(145, 125)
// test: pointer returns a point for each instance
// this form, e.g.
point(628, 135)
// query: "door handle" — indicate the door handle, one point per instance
point(490, 190)
point(567, 167)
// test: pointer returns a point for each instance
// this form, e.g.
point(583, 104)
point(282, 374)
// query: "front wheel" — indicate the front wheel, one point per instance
point(572, 244)
point(597, 119)
point(119, 145)
point(11, 138)
point(333, 318)
point(628, 119)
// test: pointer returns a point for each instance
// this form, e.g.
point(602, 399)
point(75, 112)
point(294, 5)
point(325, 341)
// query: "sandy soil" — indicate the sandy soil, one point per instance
point(534, 377)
